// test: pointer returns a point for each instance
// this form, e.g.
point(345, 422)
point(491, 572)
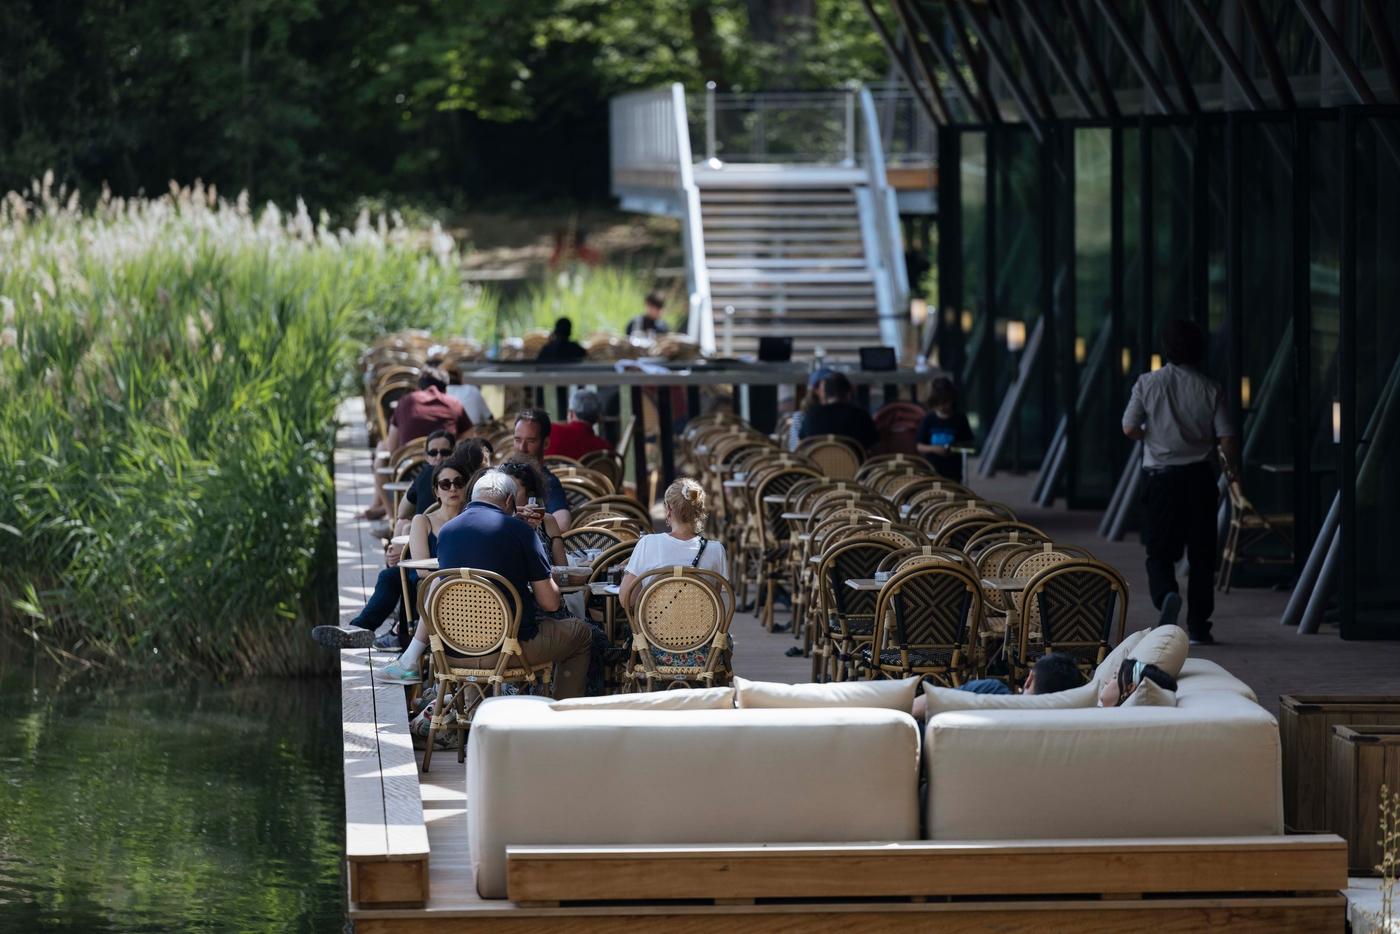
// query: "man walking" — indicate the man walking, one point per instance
point(1179, 414)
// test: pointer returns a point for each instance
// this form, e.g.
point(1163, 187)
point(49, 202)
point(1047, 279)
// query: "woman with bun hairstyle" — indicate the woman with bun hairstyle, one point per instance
point(685, 545)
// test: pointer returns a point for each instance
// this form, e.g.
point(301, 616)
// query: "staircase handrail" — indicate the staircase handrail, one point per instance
point(701, 320)
point(894, 298)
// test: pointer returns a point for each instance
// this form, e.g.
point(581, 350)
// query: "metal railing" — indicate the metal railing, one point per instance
point(812, 127)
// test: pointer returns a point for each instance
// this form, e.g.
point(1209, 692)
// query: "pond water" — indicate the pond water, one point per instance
point(155, 806)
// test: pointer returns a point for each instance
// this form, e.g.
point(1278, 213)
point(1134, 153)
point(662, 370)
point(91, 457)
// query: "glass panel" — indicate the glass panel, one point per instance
point(1095, 463)
point(1018, 300)
point(1324, 278)
point(1266, 348)
point(1375, 604)
point(972, 175)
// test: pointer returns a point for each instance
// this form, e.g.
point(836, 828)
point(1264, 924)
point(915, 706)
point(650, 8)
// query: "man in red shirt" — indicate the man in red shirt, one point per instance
point(418, 414)
point(577, 436)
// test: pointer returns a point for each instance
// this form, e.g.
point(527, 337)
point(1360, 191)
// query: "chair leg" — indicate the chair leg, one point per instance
point(433, 725)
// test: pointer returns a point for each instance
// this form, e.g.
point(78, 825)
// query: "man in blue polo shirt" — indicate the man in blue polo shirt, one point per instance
point(488, 536)
point(531, 434)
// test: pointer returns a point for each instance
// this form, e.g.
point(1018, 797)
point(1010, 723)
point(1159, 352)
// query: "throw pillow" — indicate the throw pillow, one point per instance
point(945, 700)
point(688, 699)
point(893, 695)
point(1165, 647)
point(1108, 668)
point(1150, 694)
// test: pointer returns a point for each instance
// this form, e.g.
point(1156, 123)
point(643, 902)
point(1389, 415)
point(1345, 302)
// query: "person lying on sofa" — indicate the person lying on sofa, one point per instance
point(1131, 674)
point(1050, 674)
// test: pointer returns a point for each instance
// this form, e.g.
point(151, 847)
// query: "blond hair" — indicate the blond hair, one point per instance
point(686, 500)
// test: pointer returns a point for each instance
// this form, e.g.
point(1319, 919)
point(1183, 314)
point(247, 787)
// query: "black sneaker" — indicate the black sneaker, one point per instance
point(1171, 609)
point(333, 637)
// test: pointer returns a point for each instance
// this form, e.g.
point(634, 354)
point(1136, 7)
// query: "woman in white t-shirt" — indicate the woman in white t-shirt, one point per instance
point(685, 545)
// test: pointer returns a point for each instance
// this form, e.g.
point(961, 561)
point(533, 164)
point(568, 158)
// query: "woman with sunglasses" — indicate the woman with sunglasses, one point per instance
point(449, 481)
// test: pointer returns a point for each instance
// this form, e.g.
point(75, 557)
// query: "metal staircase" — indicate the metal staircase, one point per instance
point(802, 243)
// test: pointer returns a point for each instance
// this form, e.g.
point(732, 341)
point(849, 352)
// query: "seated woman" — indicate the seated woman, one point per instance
point(450, 488)
point(532, 487)
point(1130, 674)
point(684, 545)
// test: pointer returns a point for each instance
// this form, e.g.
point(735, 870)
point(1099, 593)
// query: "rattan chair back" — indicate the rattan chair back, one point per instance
point(928, 617)
point(1077, 606)
point(836, 456)
point(613, 504)
point(607, 463)
point(680, 628)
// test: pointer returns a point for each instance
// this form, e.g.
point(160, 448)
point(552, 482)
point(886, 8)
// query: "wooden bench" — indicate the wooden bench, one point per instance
point(1244, 883)
point(386, 842)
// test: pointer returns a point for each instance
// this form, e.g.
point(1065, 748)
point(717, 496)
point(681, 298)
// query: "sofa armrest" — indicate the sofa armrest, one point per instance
point(1128, 772)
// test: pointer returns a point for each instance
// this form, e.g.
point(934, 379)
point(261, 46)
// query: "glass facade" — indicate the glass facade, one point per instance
point(1276, 231)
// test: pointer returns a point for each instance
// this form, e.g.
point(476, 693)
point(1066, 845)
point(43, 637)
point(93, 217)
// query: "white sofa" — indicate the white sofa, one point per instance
point(538, 775)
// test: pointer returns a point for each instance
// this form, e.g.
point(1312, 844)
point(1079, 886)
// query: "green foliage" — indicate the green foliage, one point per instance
point(169, 370)
point(594, 299)
point(428, 99)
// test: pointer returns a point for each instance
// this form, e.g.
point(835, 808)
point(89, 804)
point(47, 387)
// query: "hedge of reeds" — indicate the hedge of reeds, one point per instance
point(169, 374)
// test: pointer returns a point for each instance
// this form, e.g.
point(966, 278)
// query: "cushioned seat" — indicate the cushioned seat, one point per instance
point(916, 658)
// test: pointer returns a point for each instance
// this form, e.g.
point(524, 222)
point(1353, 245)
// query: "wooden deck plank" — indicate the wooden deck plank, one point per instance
point(1012, 868)
point(398, 769)
point(364, 798)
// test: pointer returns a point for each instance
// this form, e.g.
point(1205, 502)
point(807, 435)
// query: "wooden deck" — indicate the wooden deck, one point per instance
point(391, 831)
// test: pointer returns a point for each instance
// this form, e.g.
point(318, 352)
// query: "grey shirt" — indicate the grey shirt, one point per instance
point(1183, 414)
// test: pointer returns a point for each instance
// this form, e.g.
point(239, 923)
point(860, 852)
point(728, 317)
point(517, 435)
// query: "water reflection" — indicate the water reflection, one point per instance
point(168, 806)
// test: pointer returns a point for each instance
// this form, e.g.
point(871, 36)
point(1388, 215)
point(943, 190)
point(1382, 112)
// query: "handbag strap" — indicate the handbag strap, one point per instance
point(703, 542)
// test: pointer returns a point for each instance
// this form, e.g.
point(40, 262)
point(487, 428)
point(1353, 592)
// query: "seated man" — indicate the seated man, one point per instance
point(532, 429)
point(838, 415)
point(418, 414)
point(649, 323)
point(1051, 674)
point(579, 435)
point(489, 536)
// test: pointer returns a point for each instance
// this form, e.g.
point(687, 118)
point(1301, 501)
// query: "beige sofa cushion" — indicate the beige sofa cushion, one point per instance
point(891, 695)
point(688, 699)
point(1209, 770)
point(1165, 646)
point(1200, 675)
point(542, 776)
point(1150, 694)
point(945, 700)
point(1108, 668)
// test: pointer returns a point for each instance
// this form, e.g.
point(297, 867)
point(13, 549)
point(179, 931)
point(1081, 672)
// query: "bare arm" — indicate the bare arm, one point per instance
point(1230, 448)
point(418, 538)
point(546, 594)
point(624, 593)
point(1135, 432)
point(563, 519)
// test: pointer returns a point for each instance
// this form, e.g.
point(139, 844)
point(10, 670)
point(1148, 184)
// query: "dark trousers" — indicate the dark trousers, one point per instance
point(1181, 505)
point(388, 594)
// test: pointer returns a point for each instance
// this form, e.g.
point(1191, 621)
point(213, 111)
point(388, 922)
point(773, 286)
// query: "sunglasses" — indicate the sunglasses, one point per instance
point(451, 483)
point(439, 452)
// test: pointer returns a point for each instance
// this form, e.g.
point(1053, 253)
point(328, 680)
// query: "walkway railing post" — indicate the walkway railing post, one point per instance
point(710, 144)
point(850, 125)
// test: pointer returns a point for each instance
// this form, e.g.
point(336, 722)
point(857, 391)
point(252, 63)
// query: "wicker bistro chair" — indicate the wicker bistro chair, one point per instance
point(585, 476)
point(892, 463)
point(772, 540)
point(1249, 527)
point(924, 554)
point(836, 456)
point(596, 606)
point(848, 615)
point(928, 616)
point(627, 526)
point(583, 538)
point(998, 532)
point(607, 463)
point(1081, 607)
point(958, 530)
point(560, 462)
point(615, 504)
point(473, 620)
point(680, 630)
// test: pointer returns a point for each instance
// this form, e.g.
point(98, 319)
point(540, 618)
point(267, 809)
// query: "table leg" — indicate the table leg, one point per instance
point(665, 435)
point(407, 608)
point(639, 449)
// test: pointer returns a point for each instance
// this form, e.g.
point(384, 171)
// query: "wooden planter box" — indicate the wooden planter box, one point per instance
point(1359, 761)
point(1305, 724)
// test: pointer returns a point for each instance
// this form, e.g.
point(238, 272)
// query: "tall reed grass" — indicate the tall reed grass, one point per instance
point(599, 298)
point(169, 372)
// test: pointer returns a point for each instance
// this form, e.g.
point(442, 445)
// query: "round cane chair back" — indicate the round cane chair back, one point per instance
point(613, 504)
point(680, 628)
point(835, 456)
point(607, 463)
